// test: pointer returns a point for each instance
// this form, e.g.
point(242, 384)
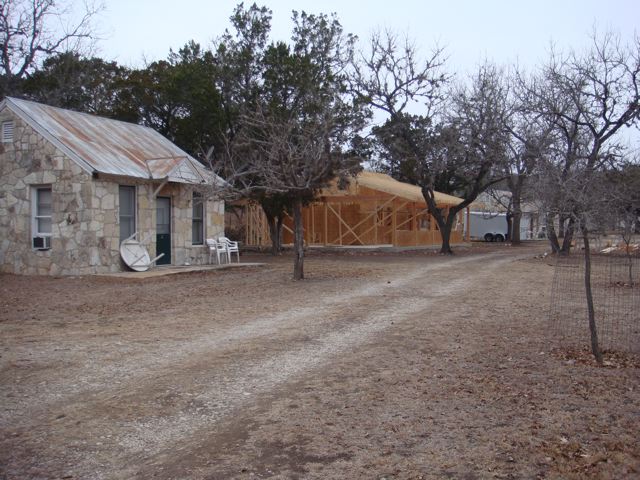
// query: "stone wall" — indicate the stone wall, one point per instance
point(30, 161)
point(182, 250)
point(85, 233)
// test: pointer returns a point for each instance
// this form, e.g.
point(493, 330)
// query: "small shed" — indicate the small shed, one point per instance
point(374, 209)
point(73, 186)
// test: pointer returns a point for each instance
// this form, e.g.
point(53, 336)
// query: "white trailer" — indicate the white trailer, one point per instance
point(487, 226)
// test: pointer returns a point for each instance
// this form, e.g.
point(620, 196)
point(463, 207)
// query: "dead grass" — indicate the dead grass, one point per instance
point(377, 366)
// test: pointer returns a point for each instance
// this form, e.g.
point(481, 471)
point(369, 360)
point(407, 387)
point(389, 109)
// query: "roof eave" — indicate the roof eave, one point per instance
point(8, 101)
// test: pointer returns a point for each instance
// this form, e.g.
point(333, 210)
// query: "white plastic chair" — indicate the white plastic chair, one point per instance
point(219, 248)
point(231, 247)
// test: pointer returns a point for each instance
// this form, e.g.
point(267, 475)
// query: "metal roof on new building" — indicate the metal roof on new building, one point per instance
point(103, 145)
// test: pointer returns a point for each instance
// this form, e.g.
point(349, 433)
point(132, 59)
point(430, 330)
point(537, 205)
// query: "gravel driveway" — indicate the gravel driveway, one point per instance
point(398, 366)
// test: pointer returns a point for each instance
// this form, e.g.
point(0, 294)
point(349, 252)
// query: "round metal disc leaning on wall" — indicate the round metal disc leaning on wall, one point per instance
point(135, 255)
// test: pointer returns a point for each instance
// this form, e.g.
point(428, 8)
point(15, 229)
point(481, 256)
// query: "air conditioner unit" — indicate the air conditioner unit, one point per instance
point(42, 243)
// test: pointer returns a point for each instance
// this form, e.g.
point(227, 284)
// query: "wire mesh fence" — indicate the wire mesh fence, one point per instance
point(615, 282)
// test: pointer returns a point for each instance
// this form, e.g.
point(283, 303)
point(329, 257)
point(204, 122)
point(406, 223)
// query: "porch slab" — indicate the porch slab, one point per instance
point(173, 270)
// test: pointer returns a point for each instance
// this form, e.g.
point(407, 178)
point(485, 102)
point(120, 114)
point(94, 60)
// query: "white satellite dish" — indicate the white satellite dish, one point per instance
point(135, 255)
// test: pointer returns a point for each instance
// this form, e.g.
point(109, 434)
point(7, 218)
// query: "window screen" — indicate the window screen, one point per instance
point(127, 211)
point(197, 223)
point(43, 211)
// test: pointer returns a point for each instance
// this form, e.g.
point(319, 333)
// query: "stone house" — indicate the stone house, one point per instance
point(74, 185)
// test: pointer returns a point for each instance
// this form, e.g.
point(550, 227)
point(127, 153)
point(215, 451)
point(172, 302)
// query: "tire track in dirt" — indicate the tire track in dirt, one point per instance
point(97, 373)
point(402, 304)
point(253, 378)
point(242, 378)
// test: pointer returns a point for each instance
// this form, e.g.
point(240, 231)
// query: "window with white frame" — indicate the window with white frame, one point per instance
point(41, 216)
point(127, 211)
point(197, 220)
point(7, 132)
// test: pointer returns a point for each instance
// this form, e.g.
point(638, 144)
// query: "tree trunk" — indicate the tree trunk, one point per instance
point(445, 249)
point(516, 219)
point(551, 234)
point(298, 241)
point(568, 237)
point(515, 226)
point(562, 220)
point(445, 233)
point(273, 235)
point(509, 226)
point(595, 348)
point(444, 225)
point(279, 220)
point(274, 220)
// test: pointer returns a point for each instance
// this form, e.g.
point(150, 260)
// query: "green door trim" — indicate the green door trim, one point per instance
point(163, 229)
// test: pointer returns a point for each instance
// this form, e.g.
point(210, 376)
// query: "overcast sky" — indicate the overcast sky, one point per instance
point(504, 31)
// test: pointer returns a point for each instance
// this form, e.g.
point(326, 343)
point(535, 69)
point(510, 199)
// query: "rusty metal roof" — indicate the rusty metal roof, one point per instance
point(103, 145)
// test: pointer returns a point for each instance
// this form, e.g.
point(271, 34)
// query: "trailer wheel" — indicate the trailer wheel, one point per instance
point(488, 237)
point(498, 238)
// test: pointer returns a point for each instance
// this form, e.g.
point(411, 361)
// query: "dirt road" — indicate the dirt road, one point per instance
point(406, 366)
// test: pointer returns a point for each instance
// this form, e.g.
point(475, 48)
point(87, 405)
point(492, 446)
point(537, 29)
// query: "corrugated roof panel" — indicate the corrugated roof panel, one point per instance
point(106, 145)
point(185, 173)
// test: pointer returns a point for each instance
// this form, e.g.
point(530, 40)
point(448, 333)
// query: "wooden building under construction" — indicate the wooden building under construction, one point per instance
point(373, 210)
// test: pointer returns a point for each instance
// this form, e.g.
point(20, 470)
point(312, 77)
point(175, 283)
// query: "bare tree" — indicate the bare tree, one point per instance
point(285, 157)
point(623, 186)
point(245, 58)
point(528, 140)
point(589, 98)
point(457, 151)
point(33, 29)
point(477, 158)
point(558, 169)
point(392, 77)
point(290, 140)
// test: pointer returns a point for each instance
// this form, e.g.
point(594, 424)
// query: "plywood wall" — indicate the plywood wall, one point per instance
point(371, 219)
